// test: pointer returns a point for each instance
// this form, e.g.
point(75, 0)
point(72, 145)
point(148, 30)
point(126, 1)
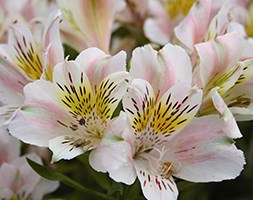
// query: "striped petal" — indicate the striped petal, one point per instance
point(240, 96)
point(155, 186)
point(24, 51)
point(153, 122)
point(110, 93)
point(175, 109)
point(139, 103)
point(73, 89)
point(67, 147)
point(98, 64)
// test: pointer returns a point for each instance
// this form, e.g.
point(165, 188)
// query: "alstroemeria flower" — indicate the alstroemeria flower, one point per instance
point(70, 115)
point(26, 58)
point(156, 143)
point(89, 22)
point(226, 82)
point(163, 16)
point(193, 29)
point(19, 181)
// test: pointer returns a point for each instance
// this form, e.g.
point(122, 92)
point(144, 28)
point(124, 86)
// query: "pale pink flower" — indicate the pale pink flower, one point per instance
point(26, 58)
point(218, 21)
point(19, 181)
point(226, 82)
point(155, 144)
point(70, 114)
point(160, 137)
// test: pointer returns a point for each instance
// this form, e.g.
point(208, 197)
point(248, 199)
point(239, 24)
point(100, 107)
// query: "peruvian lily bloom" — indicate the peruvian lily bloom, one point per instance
point(193, 29)
point(226, 82)
point(90, 22)
point(19, 181)
point(160, 139)
point(70, 114)
point(26, 58)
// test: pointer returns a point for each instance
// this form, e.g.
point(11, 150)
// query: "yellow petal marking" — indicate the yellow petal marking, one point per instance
point(78, 99)
point(29, 60)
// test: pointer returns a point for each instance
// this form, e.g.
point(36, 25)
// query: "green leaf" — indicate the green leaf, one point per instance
point(101, 179)
point(133, 191)
point(116, 188)
point(52, 175)
point(185, 185)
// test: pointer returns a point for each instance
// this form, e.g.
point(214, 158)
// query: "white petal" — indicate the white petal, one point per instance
point(157, 30)
point(116, 159)
point(64, 150)
point(154, 186)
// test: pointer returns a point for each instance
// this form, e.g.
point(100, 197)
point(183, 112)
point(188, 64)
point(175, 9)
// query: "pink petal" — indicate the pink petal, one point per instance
point(93, 20)
point(12, 79)
point(98, 64)
point(8, 174)
point(202, 152)
point(157, 30)
point(193, 28)
point(42, 117)
point(9, 147)
point(161, 69)
point(157, 27)
point(218, 56)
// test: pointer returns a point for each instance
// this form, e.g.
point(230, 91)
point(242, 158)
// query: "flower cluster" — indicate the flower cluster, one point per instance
point(153, 92)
